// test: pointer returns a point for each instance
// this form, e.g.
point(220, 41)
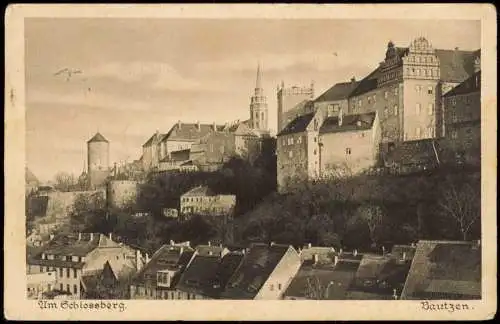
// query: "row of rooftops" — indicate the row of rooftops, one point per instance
point(429, 268)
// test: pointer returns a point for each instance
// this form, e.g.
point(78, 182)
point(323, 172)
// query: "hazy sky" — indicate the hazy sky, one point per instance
point(142, 75)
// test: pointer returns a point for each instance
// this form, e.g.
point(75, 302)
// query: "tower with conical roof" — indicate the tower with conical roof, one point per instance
point(98, 161)
point(258, 105)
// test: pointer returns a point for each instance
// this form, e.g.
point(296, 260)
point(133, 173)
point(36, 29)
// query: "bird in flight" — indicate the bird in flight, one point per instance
point(68, 72)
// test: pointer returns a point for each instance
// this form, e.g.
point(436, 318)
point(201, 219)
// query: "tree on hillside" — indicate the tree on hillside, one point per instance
point(460, 202)
point(89, 213)
point(373, 216)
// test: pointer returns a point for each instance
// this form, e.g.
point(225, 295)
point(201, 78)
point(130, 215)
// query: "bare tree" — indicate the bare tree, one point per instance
point(462, 204)
point(374, 217)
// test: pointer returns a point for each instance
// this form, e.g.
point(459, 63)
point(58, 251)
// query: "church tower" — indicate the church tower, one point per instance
point(258, 106)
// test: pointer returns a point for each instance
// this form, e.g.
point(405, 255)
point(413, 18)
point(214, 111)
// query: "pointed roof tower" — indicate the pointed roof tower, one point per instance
point(258, 83)
point(97, 138)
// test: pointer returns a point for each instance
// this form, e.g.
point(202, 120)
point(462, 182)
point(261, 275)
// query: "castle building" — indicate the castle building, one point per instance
point(462, 118)
point(98, 160)
point(210, 144)
point(292, 101)
point(201, 200)
point(406, 91)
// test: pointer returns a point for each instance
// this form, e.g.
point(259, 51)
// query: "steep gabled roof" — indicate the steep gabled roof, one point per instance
point(472, 84)
point(299, 124)
point(154, 139)
point(368, 83)
point(97, 138)
point(190, 132)
point(444, 270)
point(349, 123)
point(339, 91)
point(254, 270)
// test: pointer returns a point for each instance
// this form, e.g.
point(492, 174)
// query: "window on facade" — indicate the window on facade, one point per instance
point(67, 273)
point(430, 131)
point(430, 90)
point(348, 151)
point(67, 288)
point(431, 108)
point(74, 273)
point(61, 287)
point(454, 101)
point(418, 72)
point(418, 108)
point(314, 152)
point(75, 289)
point(61, 272)
point(369, 100)
point(454, 134)
point(360, 103)
point(279, 286)
point(262, 115)
point(417, 132)
point(271, 287)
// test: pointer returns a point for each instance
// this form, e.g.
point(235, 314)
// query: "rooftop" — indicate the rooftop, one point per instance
point(97, 138)
point(472, 84)
point(255, 268)
point(349, 123)
point(339, 91)
point(199, 191)
point(444, 270)
point(299, 124)
point(190, 131)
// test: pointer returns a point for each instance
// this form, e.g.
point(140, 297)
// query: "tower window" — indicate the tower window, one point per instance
point(348, 151)
point(430, 90)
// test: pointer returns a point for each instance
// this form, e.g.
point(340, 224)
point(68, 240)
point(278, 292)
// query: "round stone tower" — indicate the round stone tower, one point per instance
point(98, 160)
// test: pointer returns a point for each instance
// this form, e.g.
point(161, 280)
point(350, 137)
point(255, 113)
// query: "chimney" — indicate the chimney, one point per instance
point(315, 258)
point(309, 245)
point(394, 294)
point(79, 236)
point(198, 126)
point(341, 116)
point(353, 79)
point(209, 243)
point(335, 259)
point(214, 126)
point(179, 124)
point(355, 252)
point(91, 236)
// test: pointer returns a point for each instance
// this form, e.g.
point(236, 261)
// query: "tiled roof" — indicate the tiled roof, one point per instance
point(71, 245)
point(339, 91)
point(255, 268)
point(455, 65)
point(97, 138)
point(190, 132)
point(154, 139)
point(167, 257)
point(444, 269)
point(199, 191)
point(368, 84)
point(349, 123)
point(198, 277)
point(226, 269)
point(299, 124)
point(377, 277)
point(337, 278)
point(472, 84)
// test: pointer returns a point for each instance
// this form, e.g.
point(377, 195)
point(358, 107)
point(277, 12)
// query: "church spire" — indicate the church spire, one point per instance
point(258, 83)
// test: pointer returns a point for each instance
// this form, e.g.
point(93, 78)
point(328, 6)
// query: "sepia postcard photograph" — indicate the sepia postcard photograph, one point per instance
point(250, 162)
